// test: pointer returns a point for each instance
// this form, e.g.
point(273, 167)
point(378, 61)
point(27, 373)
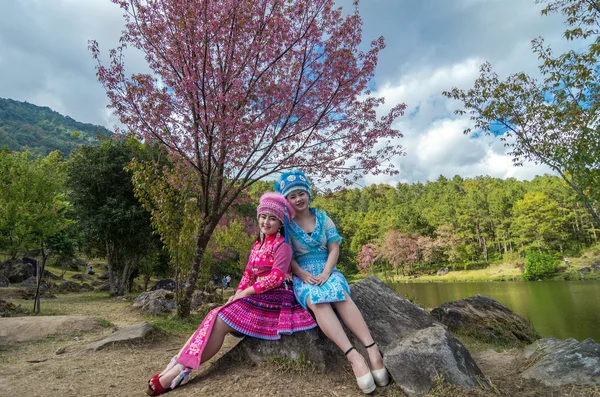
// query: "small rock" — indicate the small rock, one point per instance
point(4, 283)
point(443, 271)
point(7, 307)
point(77, 371)
point(236, 378)
point(133, 333)
point(61, 350)
point(76, 338)
point(69, 286)
point(80, 262)
point(204, 389)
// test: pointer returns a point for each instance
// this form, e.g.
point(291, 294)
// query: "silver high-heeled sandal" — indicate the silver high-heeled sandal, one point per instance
point(380, 376)
point(366, 383)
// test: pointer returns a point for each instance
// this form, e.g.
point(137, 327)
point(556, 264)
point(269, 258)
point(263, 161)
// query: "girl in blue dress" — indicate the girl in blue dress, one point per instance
point(318, 286)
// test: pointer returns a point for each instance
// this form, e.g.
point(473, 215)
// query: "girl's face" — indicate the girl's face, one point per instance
point(298, 200)
point(269, 224)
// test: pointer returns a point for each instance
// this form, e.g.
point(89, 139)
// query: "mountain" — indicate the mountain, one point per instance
point(43, 130)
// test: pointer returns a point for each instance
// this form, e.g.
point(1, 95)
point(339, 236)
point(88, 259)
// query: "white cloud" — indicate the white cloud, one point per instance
point(433, 135)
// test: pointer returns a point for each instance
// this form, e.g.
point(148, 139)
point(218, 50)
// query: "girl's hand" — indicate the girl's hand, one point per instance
point(308, 278)
point(322, 278)
point(238, 295)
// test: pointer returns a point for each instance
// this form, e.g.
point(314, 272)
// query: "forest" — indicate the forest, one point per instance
point(42, 130)
point(115, 201)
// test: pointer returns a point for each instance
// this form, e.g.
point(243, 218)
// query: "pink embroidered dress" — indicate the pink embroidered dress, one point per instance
point(272, 311)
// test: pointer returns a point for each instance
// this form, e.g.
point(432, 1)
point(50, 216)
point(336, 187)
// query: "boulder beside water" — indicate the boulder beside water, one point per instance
point(485, 319)
point(417, 350)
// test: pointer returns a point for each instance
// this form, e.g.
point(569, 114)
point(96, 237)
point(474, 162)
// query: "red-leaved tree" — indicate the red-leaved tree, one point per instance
point(367, 256)
point(243, 89)
point(400, 250)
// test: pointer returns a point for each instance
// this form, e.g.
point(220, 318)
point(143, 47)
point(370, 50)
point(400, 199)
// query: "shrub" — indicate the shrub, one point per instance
point(539, 265)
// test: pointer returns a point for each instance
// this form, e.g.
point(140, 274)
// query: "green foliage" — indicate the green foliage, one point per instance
point(43, 130)
point(553, 120)
point(33, 207)
point(460, 222)
point(113, 223)
point(539, 265)
point(104, 323)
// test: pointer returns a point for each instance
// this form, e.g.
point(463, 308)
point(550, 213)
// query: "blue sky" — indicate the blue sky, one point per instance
point(432, 46)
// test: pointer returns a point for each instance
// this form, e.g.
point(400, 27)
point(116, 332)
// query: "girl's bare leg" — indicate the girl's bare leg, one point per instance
point(354, 320)
point(217, 336)
point(331, 326)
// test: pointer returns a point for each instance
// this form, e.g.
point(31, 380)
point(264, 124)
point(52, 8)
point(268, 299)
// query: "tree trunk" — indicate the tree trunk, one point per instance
point(123, 279)
point(184, 305)
point(40, 276)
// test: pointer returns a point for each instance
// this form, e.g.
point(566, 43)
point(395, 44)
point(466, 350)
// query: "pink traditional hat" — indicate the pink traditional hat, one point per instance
point(276, 204)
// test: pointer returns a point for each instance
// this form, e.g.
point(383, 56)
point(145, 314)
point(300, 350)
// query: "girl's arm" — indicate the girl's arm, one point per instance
point(281, 266)
point(302, 274)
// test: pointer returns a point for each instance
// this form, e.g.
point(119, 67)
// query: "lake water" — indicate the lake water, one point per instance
point(563, 309)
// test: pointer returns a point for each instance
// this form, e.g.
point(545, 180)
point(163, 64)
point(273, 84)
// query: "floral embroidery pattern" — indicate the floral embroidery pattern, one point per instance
point(274, 279)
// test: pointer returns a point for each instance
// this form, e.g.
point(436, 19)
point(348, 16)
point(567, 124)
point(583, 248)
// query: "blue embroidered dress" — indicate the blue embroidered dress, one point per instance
point(311, 252)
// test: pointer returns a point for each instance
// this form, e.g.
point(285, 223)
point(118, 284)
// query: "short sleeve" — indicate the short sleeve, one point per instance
point(331, 232)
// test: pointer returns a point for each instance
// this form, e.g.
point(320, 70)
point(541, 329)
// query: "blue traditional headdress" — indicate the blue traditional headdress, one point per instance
point(292, 181)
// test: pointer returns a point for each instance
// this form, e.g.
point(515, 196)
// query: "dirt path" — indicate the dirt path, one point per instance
point(124, 370)
point(31, 329)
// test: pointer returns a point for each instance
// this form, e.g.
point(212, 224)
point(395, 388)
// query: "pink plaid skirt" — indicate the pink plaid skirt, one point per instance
point(264, 316)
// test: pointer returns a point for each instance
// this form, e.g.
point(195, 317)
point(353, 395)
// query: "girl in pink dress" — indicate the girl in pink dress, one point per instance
point(263, 306)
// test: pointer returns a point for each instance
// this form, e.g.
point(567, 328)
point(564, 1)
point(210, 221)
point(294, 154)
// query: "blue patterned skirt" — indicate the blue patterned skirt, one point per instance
point(333, 289)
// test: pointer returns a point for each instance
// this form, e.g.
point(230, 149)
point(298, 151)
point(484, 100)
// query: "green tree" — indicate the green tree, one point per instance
point(33, 208)
point(539, 223)
point(113, 223)
point(539, 265)
point(552, 121)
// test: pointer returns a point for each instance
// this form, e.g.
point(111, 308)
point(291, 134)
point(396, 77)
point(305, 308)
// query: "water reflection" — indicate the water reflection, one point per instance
point(563, 309)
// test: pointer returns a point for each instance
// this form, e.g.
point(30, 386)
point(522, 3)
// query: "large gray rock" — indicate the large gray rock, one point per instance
point(16, 271)
point(31, 283)
point(564, 362)
point(484, 318)
point(155, 302)
point(135, 333)
point(166, 283)
point(417, 350)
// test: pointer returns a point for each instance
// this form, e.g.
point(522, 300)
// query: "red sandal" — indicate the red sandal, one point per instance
point(156, 388)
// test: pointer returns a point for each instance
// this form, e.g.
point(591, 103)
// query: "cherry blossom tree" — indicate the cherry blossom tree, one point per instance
point(400, 250)
point(243, 89)
point(367, 256)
